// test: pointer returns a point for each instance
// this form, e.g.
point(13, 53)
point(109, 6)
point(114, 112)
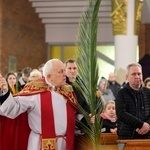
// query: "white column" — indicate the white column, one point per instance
point(126, 45)
point(126, 18)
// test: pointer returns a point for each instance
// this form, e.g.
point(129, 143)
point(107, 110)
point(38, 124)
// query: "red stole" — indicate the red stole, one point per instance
point(48, 127)
point(70, 127)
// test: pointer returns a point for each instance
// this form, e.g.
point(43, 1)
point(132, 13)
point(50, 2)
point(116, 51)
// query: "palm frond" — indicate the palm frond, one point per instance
point(88, 70)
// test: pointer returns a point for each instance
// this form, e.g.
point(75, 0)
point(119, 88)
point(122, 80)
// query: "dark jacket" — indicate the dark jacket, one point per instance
point(21, 84)
point(107, 124)
point(132, 111)
point(79, 95)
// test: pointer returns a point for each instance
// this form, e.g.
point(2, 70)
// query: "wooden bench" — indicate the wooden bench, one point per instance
point(108, 141)
point(141, 144)
point(108, 138)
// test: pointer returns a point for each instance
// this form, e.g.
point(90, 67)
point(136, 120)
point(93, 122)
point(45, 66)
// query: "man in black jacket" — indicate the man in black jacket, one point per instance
point(133, 106)
point(72, 76)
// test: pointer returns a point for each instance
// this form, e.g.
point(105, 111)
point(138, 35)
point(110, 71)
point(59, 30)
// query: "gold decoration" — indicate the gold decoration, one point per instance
point(40, 85)
point(49, 144)
point(34, 87)
point(119, 16)
point(138, 10)
point(67, 88)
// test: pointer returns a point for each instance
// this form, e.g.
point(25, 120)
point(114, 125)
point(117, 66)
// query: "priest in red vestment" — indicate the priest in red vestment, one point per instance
point(49, 105)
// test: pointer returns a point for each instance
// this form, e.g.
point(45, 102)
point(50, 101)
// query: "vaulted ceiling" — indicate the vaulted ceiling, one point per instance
point(68, 12)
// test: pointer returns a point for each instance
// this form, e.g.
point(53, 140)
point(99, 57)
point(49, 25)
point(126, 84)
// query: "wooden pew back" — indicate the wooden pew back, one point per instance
point(109, 141)
point(141, 144)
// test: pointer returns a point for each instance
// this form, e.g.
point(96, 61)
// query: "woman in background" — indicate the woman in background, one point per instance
point(106, 92)
point(12, 82)
point(147, 82)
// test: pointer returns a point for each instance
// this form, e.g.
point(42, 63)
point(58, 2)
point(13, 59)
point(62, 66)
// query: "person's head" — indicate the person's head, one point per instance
point(35, 74)
point(26, 73)
point(134, 75)
point(112, 77)
point(109, 108)
point(40, 68)
point(11, 78)
point(103, 84)
point(147, 82)
point(19, 74)
point(71, 69)
point(54, 72)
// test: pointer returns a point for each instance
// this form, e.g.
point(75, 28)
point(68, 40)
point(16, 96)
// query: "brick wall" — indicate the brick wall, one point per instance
point(22, 38)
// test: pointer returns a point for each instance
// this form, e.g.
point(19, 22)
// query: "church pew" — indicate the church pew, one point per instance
point(108, 141)
point(108, 138)
point(140, 144)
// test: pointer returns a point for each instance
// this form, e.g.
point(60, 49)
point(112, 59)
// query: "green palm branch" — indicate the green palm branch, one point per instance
point(88, 70)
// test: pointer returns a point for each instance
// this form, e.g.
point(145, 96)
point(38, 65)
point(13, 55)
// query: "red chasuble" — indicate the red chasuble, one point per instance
point(14, 133)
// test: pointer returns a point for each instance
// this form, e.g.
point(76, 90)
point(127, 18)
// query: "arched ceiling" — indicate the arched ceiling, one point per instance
point(66, 13)
point(69, 11)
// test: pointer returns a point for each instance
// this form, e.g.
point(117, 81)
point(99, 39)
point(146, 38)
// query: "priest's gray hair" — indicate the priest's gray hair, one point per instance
point(49, 67)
